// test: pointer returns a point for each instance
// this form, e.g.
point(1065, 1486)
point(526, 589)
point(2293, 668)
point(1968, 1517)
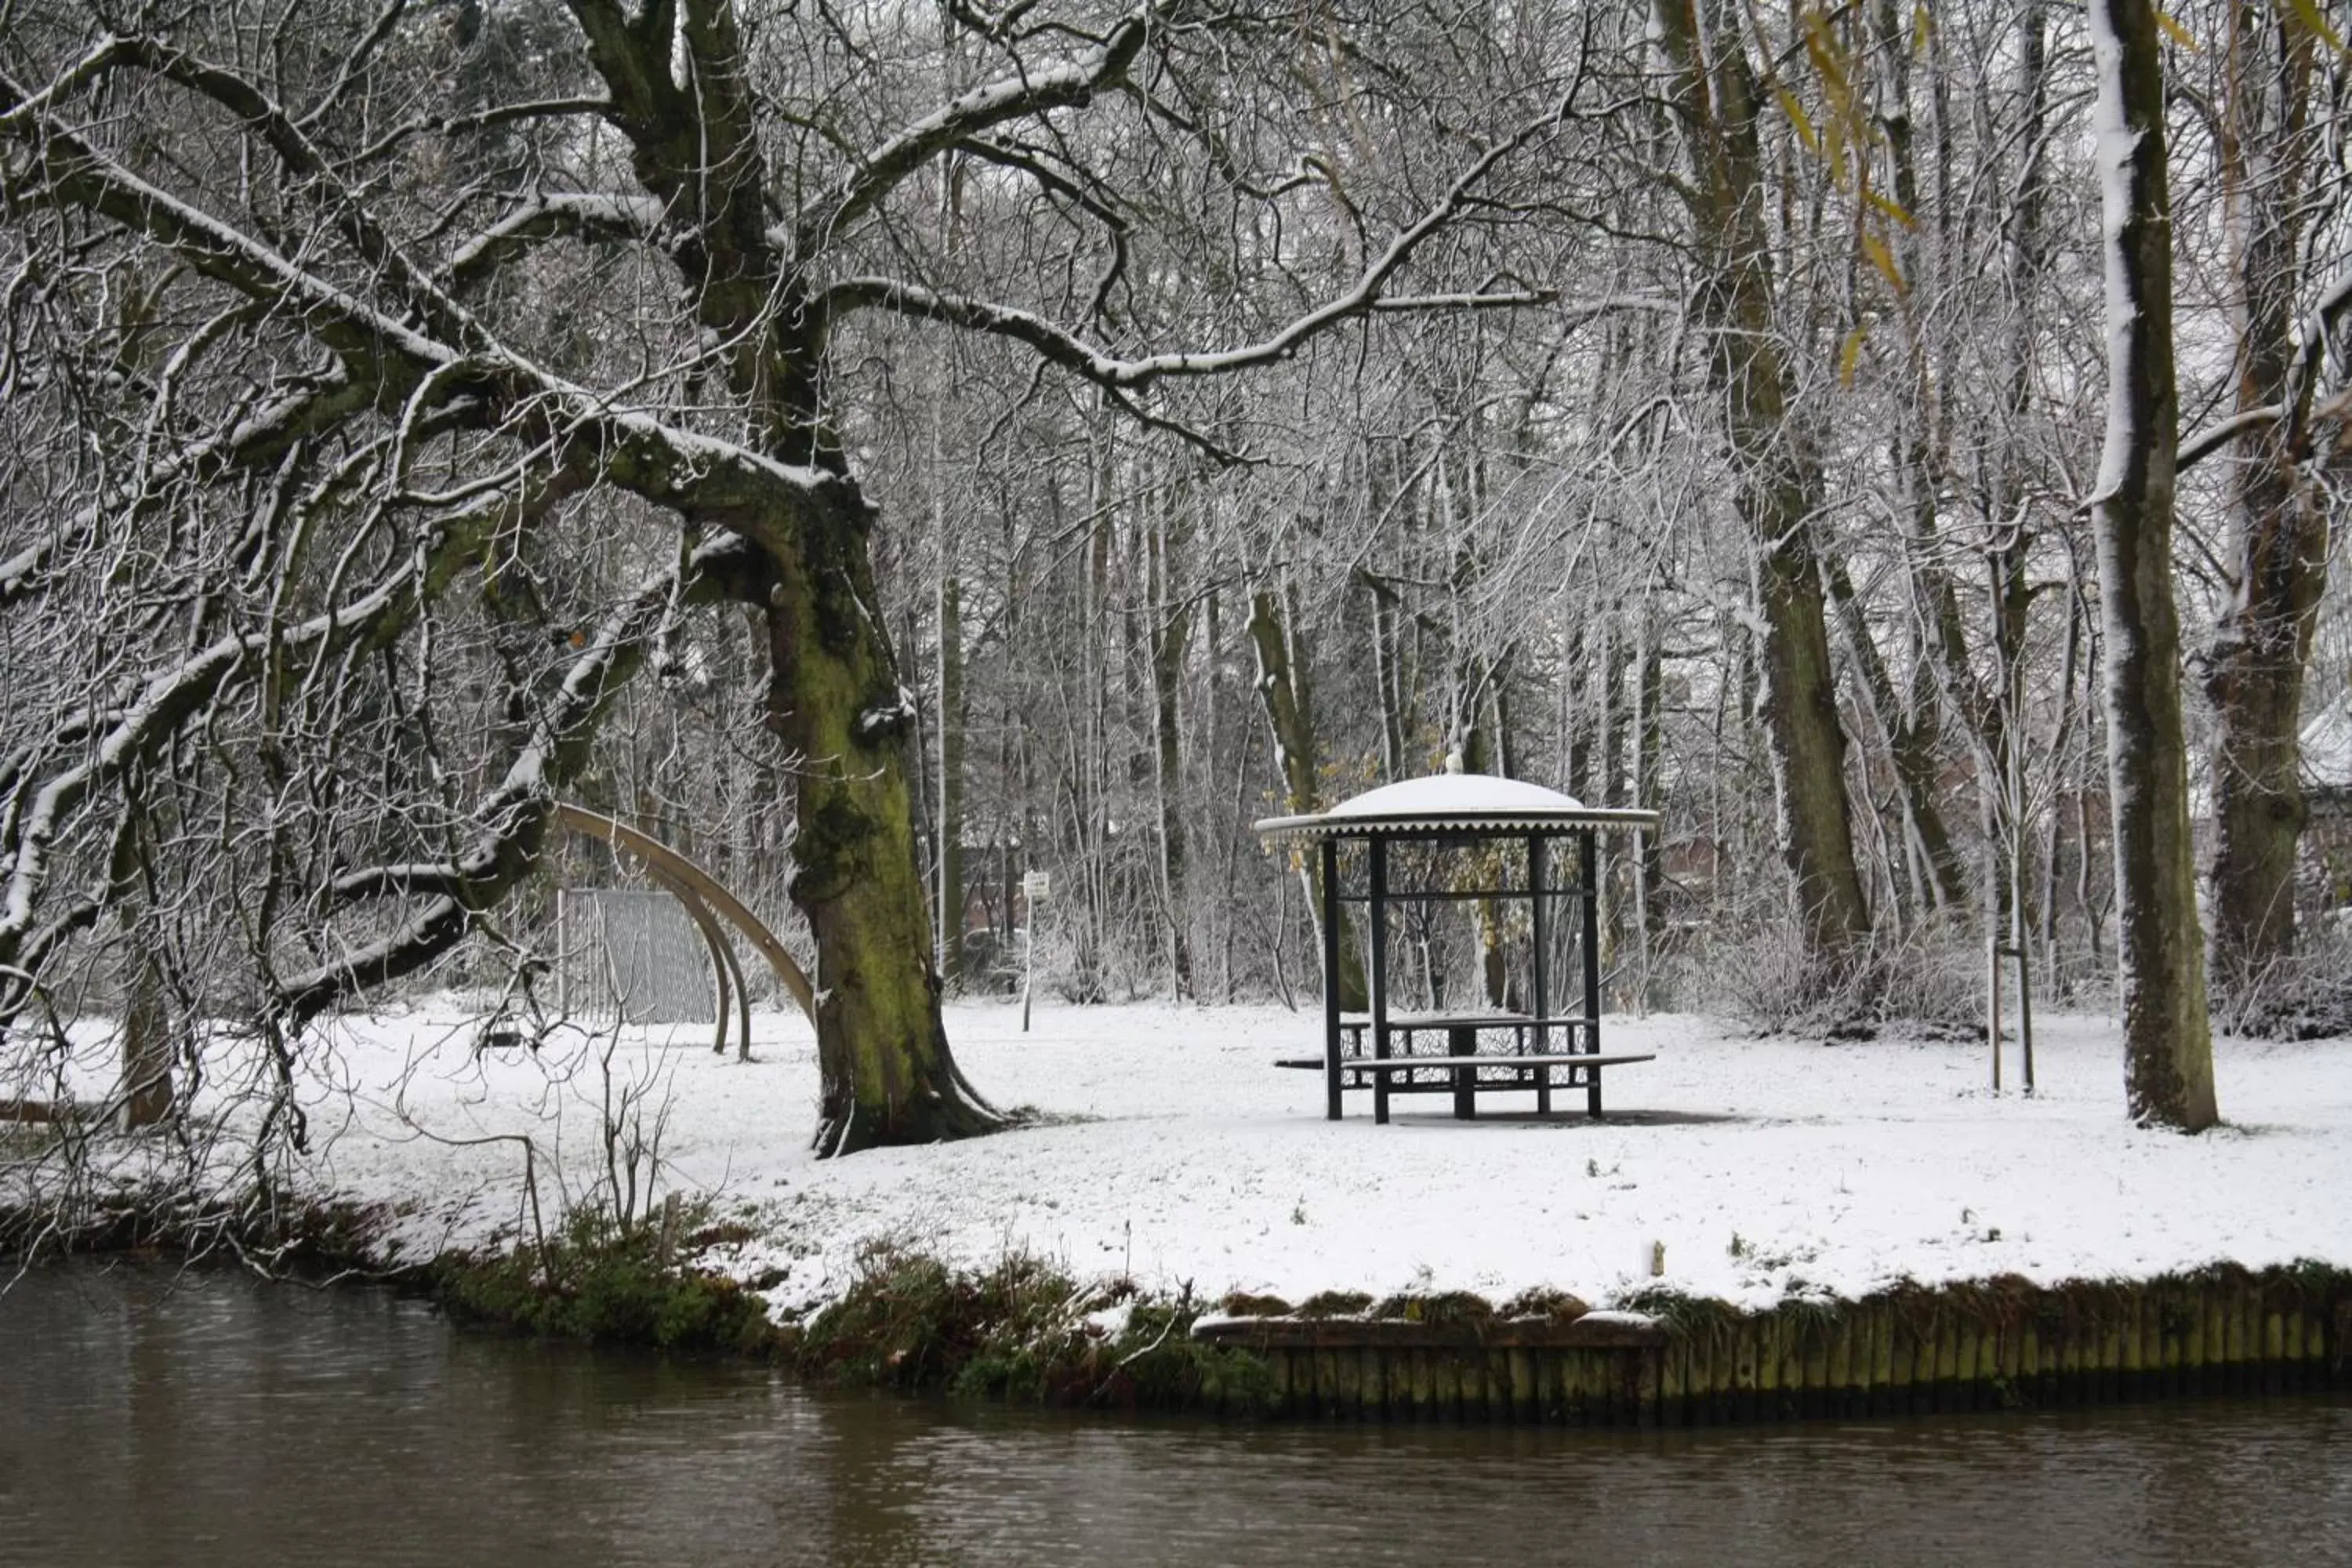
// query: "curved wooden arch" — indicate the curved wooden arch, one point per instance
point(706, 901)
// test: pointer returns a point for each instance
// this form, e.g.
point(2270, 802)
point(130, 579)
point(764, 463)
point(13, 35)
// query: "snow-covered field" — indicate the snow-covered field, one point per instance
point(1174, 1149)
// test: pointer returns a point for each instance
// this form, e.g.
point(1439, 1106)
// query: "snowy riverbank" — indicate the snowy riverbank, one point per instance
point(1173, 1150)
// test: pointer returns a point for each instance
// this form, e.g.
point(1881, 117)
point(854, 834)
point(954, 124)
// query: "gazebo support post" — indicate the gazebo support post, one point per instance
point(1463, 1041)
point(1589, 867)
point(1380, 902)
point(1331, 851)
point(1540, 994)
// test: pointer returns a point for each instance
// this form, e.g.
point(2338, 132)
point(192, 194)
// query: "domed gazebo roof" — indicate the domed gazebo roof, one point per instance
point(1448, 803)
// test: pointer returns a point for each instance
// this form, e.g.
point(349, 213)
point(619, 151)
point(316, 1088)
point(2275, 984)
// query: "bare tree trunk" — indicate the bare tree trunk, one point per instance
point(146, 1040)
point(2168, 1038)
point(2262, 645)
point(1283, 689)
point(1172, 630)
point(1651, 754)
point(1716, 100)
point(1913, 719)
point(1913, 743)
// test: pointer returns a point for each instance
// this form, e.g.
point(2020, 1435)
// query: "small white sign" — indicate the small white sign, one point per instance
point(1036, 886)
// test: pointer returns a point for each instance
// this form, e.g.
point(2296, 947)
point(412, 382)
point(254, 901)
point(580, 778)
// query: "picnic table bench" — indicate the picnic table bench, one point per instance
point(1463, 1069)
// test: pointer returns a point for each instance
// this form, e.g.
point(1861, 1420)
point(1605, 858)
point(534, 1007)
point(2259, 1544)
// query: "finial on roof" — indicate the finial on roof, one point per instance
point(1454, 761)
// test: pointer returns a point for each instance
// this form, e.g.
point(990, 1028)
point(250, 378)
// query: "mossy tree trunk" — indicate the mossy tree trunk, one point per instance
point(2168, 1038)
point(887, 1074)
point(1716, 102)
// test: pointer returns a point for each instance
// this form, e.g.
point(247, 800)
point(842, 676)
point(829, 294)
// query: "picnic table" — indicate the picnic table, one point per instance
point(1529, 1060)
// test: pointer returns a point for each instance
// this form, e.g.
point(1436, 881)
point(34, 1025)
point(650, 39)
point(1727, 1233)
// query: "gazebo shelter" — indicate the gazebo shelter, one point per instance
point(1493, 839)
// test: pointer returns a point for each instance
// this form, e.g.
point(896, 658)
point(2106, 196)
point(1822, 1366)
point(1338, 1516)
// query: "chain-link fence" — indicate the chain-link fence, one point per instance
point(631, 955)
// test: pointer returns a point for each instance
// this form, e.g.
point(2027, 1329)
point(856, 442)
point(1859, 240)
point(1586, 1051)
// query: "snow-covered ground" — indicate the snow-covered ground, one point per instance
point(1173, 1149)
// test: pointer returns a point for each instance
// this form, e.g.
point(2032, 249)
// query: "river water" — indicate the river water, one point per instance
point(148, 1417)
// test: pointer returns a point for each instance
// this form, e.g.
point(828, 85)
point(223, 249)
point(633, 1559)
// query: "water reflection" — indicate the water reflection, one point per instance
point(199, 1419)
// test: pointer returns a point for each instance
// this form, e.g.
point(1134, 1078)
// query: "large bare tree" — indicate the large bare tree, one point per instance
point(383, 309)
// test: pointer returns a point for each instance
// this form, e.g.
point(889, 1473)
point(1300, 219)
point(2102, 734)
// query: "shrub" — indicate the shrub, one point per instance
point(602, 1282)
point(1023, 1331)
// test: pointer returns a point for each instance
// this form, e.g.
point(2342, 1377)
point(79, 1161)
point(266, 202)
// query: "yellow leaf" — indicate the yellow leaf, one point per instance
point(1892, 208)
point(2312, 16)
point(1802, 121)
point(1830, 62)
point(1923, 26)
point(1835, 88)
point(1849, 354)
point(2175, 31)
point(1875, 248)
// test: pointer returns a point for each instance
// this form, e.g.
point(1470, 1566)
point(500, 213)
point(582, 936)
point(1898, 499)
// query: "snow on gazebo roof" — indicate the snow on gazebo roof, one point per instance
point(1452, 802)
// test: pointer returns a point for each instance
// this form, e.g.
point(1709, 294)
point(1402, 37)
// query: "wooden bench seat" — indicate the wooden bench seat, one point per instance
point(1427, 1059)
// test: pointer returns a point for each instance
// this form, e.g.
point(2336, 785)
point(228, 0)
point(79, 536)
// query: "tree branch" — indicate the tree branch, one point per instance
point(1009, 98)
point(1064, 348)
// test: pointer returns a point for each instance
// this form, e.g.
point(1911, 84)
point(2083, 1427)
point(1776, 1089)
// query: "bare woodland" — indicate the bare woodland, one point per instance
point(880, 449)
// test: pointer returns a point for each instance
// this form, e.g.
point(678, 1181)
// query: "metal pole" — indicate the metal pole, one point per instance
point(2017, 868)
point(1992, 1027)
point(1380, 975)
point(1330, 852)
point(562, 959)
point(1588, 856)
point(1540, 987)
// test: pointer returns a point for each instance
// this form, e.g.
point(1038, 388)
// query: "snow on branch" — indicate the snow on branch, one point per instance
point(165, 702)
point(587, 215)
point(652, 456)
point(160, 709)
point(257, 441)
point(1062, 347)
point(55, 162)
point(479, 119)
point(1365, 296)
point(1013, 97)
point(2213, 438)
